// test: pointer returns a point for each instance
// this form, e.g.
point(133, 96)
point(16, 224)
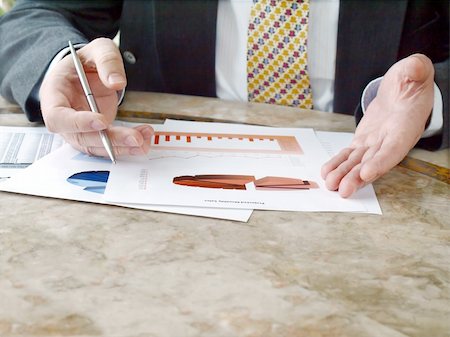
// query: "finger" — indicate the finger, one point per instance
point(119, 136)
point(67, 120)
point(107, 106)
point(63, 103)
point(334, 178)
point(370, 153)
point(351, 182)
point(126, 141)
point(389, 155)
point(334, 162)
point(64, 118)
point(147, 134)
point(100, 151)
point(106, 58)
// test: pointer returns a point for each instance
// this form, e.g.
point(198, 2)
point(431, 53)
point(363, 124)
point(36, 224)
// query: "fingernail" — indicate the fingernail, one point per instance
point(98, 125)
point(115, 78)
point(131, 141)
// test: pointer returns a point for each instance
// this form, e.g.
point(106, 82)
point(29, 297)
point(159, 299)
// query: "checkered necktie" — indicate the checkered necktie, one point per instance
point(277, 70)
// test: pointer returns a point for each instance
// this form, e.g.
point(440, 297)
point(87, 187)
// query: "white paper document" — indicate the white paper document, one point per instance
point(22, 146)
point(227, 165)
point(205, 169)
point(69, 174)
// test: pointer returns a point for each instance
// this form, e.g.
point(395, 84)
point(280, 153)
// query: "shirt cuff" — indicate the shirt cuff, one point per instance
point(436, 123)
point(120, 96)
point(61, 55)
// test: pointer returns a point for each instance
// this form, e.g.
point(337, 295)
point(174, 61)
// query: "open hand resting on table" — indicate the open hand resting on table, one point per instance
point(392, 124)
point(66, 111)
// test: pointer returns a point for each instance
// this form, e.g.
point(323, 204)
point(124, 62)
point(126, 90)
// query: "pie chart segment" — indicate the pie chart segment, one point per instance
point(91, 181)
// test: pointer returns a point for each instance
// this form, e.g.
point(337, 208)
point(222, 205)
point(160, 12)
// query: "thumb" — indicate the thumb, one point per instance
point(104, 55)
point(418, 68)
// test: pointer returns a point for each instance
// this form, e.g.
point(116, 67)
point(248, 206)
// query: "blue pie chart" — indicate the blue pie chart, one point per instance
point(91, 181)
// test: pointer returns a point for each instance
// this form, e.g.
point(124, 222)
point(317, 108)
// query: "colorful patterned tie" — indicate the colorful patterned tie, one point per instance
point(277, 70)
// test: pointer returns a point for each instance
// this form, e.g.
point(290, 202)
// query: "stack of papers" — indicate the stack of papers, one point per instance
point(204, 169)
point(22, 146)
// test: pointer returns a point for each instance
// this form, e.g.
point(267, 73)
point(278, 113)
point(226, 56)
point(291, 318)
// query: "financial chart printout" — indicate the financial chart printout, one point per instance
point(237, 166)
point(225, 142)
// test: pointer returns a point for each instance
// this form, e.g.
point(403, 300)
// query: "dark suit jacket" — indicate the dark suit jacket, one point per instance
point(174, 45)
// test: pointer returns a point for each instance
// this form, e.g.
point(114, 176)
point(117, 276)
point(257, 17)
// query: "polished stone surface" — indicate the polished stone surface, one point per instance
point(77, 269)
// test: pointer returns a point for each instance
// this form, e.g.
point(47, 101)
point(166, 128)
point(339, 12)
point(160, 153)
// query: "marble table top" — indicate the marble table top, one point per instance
point(77, 269)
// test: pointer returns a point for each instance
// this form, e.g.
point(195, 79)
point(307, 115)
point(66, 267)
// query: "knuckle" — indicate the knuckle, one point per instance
point(76, 125)
point(101, 41)
point(344, 168)
point(378, 168)
point(108, 57)
point(88, 150)
point(80, 139)
point(345, 153)
point(423, 58)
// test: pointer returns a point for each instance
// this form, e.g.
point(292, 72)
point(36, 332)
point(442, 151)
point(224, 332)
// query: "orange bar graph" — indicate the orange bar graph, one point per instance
point(219, 142)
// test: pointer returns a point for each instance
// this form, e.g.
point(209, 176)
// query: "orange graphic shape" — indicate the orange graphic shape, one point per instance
point(238, 182)
point(224, 181)
point(283, 183)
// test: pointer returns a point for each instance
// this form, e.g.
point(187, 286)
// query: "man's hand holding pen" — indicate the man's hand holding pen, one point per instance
point(66, 111)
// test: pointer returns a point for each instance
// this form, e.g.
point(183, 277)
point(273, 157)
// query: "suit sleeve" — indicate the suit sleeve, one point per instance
point(33, 32)
point(426, 31)
point(442, 80)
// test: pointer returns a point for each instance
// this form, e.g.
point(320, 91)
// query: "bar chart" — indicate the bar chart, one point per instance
point(226, 142)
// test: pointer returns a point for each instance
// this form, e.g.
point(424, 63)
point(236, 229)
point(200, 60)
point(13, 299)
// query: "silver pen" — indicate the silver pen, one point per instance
point(91, 100)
